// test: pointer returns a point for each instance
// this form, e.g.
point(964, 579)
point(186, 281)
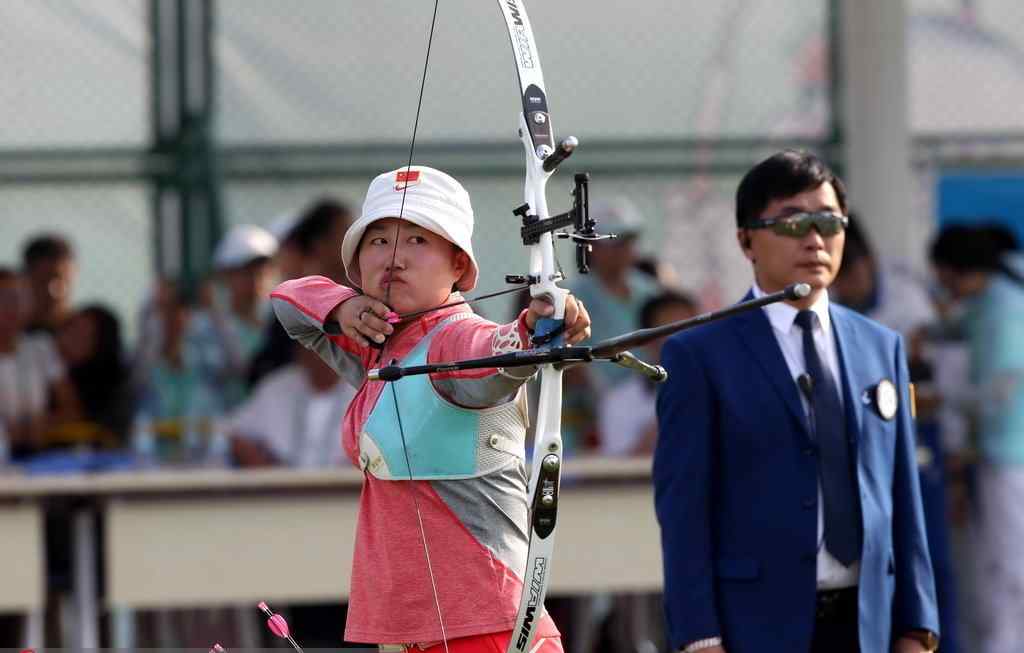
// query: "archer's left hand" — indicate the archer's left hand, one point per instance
point(577, 320)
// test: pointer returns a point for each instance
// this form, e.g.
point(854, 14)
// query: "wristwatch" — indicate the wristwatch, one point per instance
point(928, 639)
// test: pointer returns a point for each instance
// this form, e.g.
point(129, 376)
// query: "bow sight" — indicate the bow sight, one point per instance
point(583, 233)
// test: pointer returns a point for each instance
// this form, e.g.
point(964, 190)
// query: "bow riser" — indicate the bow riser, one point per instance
point(542, 255)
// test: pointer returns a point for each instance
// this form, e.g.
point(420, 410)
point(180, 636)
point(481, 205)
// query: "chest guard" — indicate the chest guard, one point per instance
point(444, 441)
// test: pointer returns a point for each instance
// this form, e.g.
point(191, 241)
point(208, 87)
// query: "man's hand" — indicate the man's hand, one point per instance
point(909, 645)
point(362, 319)
point(577, 320)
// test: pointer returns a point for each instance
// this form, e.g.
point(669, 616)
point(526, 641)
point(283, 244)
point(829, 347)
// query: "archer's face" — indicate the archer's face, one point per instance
point(420, 271)
point(782, 260)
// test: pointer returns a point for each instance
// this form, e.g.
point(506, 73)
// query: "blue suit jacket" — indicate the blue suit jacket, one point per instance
point(736, 489)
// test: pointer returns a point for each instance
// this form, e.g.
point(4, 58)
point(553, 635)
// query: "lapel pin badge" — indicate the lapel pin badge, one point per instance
point(885, 399)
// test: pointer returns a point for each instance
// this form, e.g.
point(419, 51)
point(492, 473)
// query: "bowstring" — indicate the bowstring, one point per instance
point(387, 301)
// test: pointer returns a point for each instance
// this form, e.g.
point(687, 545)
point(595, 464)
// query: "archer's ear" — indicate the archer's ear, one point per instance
point(460, 262)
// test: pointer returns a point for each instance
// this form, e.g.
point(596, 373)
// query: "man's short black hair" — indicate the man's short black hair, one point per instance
point(316, 222)
point(46, 247)
point(785, 174)
point(665, 298)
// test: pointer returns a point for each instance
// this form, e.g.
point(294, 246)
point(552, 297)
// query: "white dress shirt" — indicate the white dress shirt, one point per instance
point(301, 426)
point(831, 573)
point(624, 414)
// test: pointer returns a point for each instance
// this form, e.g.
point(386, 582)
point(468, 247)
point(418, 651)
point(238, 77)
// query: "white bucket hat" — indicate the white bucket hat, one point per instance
point(433, 200)
point(242, 244)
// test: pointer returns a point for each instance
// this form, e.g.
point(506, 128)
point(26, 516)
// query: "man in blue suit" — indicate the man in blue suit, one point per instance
point(785, 478)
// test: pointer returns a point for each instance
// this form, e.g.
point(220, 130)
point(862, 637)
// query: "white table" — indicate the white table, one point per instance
point(22, 564)
point(218, 537)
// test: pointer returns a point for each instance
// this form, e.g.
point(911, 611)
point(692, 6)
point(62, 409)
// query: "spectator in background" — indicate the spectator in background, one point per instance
point(318, 236)
point(898, 300)
point(662, 272)
point(886, 293)
point(49, 265)
point(224, 336)
point(35, 394)
point(626, 418)
point(293, 416)
point(90, 344)
point(290, 262)
point(151, 335)
point(172, 382)
point(628, 426)
point(974, 266)
point(616, 290)
point(310, 245)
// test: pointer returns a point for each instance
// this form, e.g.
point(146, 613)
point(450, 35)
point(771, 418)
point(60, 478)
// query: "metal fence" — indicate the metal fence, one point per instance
point(141, 128)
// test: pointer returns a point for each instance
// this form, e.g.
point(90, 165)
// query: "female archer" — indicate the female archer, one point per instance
point(442, 534)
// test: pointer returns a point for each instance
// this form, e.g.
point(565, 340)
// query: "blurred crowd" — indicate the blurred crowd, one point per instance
point(212, 379)
point(196, 388)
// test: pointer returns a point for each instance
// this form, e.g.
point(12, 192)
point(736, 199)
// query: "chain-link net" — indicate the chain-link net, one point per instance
point(966, 72)
point(76, 74)
point(331, 73)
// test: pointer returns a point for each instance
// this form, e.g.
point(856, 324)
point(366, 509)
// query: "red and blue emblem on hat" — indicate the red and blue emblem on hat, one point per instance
point(406, 178)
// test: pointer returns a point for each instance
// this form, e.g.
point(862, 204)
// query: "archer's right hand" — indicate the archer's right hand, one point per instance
point(361, 318)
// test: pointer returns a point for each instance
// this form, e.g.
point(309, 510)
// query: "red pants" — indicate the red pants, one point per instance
point(498, 642)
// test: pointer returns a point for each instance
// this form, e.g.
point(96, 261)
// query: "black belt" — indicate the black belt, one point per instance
point(831, 604)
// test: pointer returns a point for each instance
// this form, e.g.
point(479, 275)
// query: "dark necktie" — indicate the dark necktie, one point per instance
point(838, 482)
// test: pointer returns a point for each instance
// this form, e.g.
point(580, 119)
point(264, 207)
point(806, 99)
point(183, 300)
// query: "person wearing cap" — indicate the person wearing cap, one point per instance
point(221, 340)
point(616, 290)
point(614, 293)
point(445, 451)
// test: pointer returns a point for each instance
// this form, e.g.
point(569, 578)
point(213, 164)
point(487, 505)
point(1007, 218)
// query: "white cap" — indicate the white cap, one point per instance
point(617, 215)
point(433, 200)
point(242, 244)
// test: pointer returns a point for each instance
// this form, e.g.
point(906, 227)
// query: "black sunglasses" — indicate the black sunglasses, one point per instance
point(799, 225)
